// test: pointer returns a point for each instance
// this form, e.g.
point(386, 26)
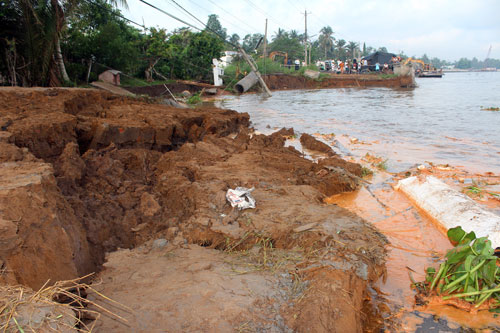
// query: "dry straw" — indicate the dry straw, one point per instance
point(22, 310)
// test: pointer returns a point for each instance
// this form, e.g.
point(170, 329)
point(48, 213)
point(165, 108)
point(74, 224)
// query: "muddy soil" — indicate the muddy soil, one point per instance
point(84, 173)
point(175, 88)
point(287, 82)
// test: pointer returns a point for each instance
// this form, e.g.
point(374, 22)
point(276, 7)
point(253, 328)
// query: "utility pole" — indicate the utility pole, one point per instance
point(253, 66)
point(305, 37)
point(265, 42)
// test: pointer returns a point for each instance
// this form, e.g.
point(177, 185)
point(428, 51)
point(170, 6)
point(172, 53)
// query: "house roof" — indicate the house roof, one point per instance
point(380, 57)
point(113, 71)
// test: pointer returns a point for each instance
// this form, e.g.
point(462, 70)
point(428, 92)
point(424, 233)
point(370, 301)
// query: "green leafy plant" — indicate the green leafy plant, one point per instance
point(470, 271)
point(365, 172)
point(194, 99)
point(382, 165)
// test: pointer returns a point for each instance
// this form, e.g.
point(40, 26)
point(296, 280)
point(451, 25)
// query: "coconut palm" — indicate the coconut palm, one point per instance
point(294, 34)
point(326, 39)
point(38, 43)
point(352, 47)
point(341, 43)
point(279, 34)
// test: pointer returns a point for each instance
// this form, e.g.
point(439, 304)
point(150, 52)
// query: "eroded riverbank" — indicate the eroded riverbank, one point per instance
point(85, 173)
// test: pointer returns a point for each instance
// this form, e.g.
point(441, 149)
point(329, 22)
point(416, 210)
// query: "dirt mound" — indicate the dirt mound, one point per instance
point(311, 143)
point(40, 237)
point(285, 81)
point(117, 172)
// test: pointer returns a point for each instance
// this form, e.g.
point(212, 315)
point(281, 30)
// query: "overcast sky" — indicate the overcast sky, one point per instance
point(448, 29)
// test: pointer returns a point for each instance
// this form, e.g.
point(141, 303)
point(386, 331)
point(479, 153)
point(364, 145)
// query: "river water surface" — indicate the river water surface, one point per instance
point(440, 121)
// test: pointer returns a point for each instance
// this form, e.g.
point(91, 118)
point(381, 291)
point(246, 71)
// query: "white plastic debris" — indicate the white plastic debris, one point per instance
point(241, 197)
point(451, 208)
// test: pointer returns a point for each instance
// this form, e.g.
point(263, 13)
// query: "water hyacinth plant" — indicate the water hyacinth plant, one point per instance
point(470, 272)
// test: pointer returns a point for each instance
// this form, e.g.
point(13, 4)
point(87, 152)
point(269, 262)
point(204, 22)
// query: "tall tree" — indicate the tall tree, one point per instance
point(352, 47)
point(284, 42)
point(234, 39)
point(279, 34)
point(213, 24)
point(340, 48)
point(294, 34)
point(326, 39)
point(250, 41)
point(156, 49)
point(38, 44)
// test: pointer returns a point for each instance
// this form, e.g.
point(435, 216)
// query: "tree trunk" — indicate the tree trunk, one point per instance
point(149, 71)
point(89, 70)
point(60, 61)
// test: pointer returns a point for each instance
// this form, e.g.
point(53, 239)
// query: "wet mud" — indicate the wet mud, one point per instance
point(287, 82)
point(85, 173)
point(416, 241)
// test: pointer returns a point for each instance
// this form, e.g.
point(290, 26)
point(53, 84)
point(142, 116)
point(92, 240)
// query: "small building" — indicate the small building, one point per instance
point(228, 58)
point(380, 57)
point(110, 76)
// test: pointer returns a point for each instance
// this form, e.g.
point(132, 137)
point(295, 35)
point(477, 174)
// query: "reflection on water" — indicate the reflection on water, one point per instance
point(440, 121)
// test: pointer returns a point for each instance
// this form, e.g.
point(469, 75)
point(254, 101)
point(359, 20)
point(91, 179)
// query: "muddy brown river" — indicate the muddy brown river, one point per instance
point(441, 120)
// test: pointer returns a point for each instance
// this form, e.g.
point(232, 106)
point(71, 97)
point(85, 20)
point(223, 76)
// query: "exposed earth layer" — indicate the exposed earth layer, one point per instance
point(94, 182)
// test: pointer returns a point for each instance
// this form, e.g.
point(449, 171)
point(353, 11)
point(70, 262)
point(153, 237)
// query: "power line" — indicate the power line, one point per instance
point(224, 20)
point(265, 13)
point(175, 2)
point(116, 14)
point(290, 2)
point(170, 15)
point(222, 8)
point(189, 24)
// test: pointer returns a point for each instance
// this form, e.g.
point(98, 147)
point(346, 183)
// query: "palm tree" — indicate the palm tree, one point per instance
point(43, 23)
point(341, 49)
point(351, 47)
point(294, 34)
point(326, 39)
point(279, 34)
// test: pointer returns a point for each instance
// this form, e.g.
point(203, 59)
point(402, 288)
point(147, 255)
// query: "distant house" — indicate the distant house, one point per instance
point(380, 57)
point(110, 76)
point(228, 57)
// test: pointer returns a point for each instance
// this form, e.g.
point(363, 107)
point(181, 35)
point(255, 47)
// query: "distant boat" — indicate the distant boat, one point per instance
point(435, 73)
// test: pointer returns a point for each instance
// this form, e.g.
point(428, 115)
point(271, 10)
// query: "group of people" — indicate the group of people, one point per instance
point(352, 66)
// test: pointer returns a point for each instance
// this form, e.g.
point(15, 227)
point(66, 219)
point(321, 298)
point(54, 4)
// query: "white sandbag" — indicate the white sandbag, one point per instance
point(451, 208)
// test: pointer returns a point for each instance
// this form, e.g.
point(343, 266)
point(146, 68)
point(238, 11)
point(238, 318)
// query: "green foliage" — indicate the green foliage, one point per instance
point(194, 99)
point(156, 44)
point(288, 42)
point(191, 55)
point(365, 172)
point(387, 76)
point(28, 35)
point(214, 26)
point(326, 41)
point(96, 33)
point(469, 272)
point(382, 165)
point(250, 42)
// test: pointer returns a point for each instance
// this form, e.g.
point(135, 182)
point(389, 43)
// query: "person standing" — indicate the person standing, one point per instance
point(297, 64)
